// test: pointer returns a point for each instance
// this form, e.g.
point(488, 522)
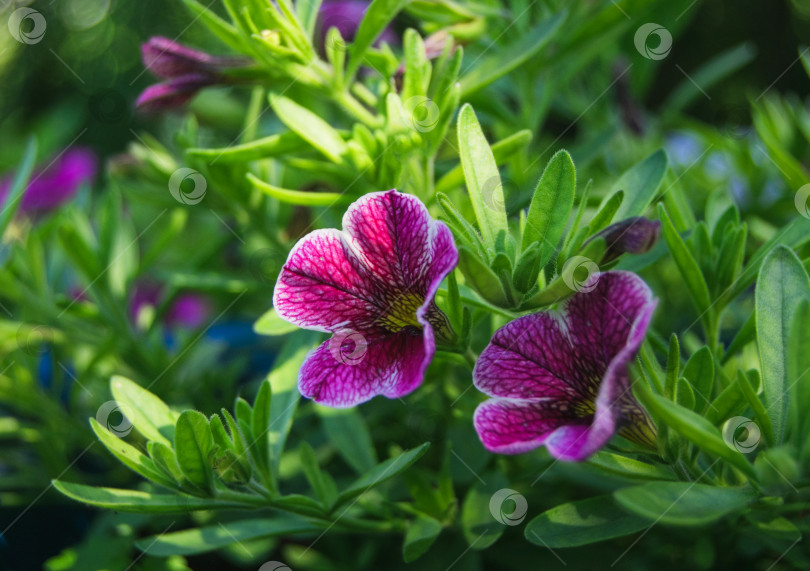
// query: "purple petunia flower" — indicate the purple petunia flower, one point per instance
point(371, 286)
point(187, 311)
point(560, 379)
point(186, 70)
point(57, 183)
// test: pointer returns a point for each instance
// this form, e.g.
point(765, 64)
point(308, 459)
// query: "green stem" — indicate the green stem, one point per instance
point(356, 109)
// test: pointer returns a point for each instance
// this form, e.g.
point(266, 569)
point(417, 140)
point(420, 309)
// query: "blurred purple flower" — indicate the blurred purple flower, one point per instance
point(55, 184)
point(187, 311)
point(186, 70)
point(560, 379)
point(346, 15)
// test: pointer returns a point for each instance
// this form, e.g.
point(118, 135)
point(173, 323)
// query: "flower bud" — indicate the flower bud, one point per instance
point(169, 60)
point(635, 235)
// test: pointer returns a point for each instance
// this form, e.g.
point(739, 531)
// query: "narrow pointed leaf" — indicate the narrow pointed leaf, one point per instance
point(582, 523)
point(781, 286)
point(148, 414)
point(551, 205)
point(382, 472)
point(193, 444)
point(483, 178)
point(683, 503)
point(640, 183)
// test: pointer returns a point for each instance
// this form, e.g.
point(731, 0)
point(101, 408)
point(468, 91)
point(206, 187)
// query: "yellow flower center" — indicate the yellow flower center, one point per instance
point(402, 312)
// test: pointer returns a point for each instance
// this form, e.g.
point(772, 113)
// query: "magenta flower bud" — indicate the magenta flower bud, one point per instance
point(57, 182)
point(187, 71)
point(169, 60)
point(632, 236)
point(173, 93)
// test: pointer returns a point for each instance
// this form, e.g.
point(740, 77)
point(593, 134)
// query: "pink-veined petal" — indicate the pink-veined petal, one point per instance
point(321, 287)
point(349, 369)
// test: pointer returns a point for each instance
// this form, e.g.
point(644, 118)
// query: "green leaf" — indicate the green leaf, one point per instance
point(222, 29)
point(322, 483)
point(528, 268)
point(687, 265)
point(559, 289)
point(693, 427)
point(148, 414)
point(480, 527)
point(193, 444)
point(205, 539)
point(501, 150)
point(729, 402)
point(706, 76)
point(683, 503)
point(629, 467)
point(463, 231)
point(782, 284)
point(512, 56)
point(139, 502)
point(164, 457)
point(307, 11)
point(798, 371)
point(606, 213)
point(310, 127)
point(699, 371)
point(483, 179)
point(130, 456)
point(266, 147)
point(299, 197)
point(640, 184)
point(422, 533)
point(551, 205)
point(284, 380)
point(272, 325)
point(347, 430)
point(481, 278)
point(13, 196)
point(582, 523)
point(378, 15)
point(382, 472)
point(260, 425)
